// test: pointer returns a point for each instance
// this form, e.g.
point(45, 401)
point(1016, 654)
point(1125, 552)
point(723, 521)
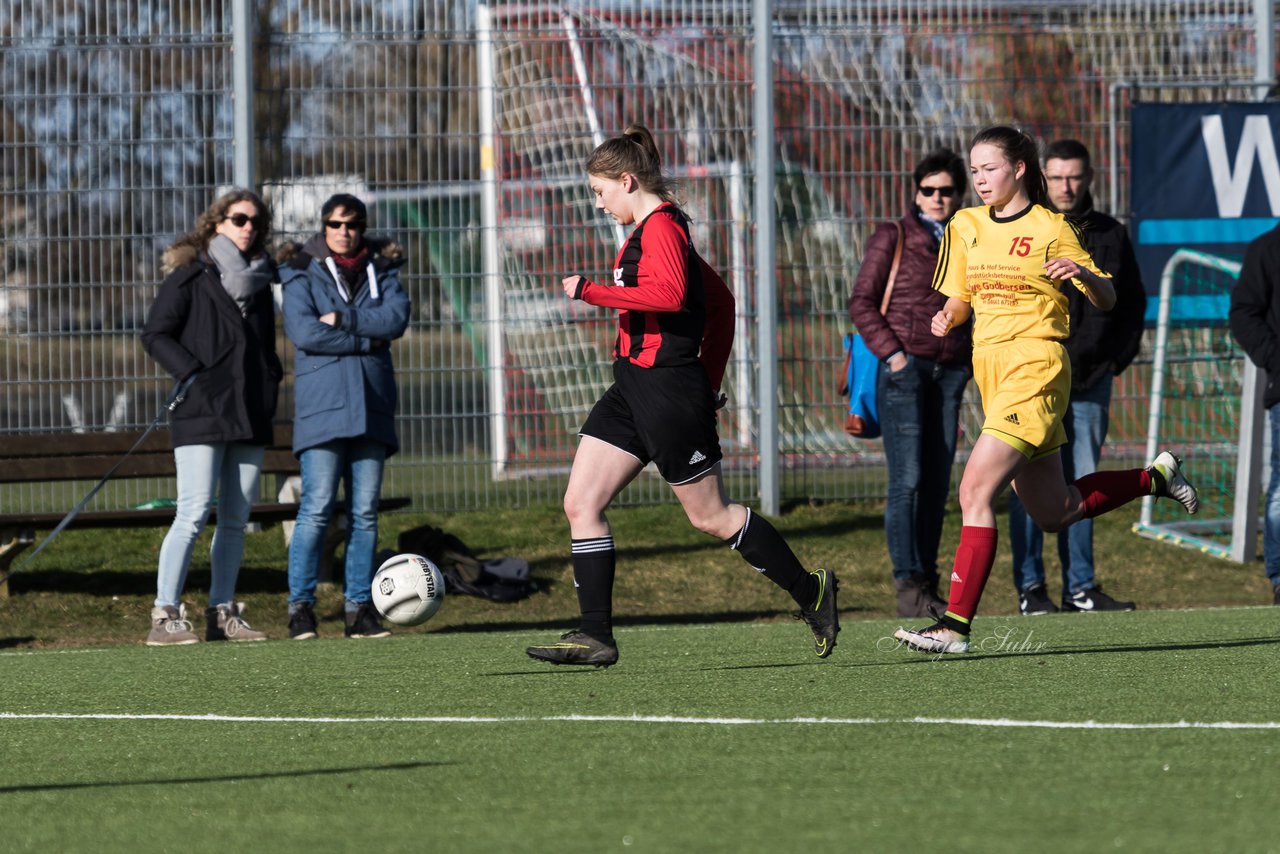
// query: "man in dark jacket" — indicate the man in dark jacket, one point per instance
point(1255, 323)
point(1101, 345)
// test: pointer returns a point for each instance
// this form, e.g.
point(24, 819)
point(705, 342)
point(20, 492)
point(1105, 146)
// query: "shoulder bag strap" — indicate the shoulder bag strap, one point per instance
point(893, 270)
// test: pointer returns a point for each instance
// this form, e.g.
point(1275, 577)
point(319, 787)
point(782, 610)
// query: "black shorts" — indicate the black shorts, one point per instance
point(663, 415)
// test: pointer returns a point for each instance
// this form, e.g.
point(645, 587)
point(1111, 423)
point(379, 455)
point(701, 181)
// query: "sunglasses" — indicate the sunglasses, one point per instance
point(352, 225)
point(239, 220)
point(945, 192)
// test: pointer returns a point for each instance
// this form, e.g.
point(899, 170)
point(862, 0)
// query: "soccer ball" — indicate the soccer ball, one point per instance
point(408, 589)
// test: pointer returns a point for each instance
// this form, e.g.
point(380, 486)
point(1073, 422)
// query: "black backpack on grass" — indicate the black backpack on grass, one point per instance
point(463, 572)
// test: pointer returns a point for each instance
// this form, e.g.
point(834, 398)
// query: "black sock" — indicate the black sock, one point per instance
point(762, 546)
point(593, 564)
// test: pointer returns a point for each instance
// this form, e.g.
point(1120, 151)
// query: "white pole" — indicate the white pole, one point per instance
point(588, 99)
point(738, 209)
point(1249, 463)
point(1157, 373)
point(242, 94)
point(1264, 37)
point(491, 262)
point(1113, 150)
point(766, 287)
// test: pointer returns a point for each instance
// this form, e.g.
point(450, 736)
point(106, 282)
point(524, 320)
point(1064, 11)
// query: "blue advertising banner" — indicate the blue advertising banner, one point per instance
point(1204, 176)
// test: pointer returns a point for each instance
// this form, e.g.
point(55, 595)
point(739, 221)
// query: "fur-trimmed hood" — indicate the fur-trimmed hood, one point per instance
point(177, 256)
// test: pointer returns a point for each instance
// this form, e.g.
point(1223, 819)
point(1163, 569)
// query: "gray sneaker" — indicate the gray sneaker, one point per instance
point(170, 627)
point(917, 594)
point(226, 622)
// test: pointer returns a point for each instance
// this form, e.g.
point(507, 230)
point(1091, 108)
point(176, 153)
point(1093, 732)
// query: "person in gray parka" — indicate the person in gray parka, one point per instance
point(343, 305)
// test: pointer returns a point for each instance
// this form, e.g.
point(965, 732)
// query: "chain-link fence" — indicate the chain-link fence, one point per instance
point(117, 130)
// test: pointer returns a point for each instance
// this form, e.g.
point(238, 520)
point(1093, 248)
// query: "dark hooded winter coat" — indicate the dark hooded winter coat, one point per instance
point(195, 327)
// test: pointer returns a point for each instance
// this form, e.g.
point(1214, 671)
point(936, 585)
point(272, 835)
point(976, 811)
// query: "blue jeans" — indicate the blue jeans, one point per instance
point(357, 464)
point(1271, 520)
point(233, 471)
point(919, 410)
point(1086, 422)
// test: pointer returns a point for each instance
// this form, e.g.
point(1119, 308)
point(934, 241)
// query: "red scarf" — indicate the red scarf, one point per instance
point(352, 266)
point(356, 261)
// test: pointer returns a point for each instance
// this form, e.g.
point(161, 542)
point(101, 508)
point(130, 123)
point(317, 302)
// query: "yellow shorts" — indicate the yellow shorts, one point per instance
point(1025, 386)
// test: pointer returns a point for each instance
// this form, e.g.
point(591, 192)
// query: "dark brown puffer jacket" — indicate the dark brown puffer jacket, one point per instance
point(914, 302)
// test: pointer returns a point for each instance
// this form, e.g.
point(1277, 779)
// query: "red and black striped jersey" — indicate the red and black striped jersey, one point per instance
point(675, 309)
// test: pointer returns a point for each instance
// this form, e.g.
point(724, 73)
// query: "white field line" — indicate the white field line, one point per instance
point(657, 719)
point(28, 652)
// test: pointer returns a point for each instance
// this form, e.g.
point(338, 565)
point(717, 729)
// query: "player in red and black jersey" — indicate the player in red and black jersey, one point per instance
point(675, 329)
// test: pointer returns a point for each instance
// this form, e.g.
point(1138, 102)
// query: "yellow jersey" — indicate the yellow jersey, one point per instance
point(997, 266)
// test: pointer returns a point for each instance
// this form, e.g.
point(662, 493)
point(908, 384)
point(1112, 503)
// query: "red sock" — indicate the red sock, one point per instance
point(1104, 491)
point(974, 558)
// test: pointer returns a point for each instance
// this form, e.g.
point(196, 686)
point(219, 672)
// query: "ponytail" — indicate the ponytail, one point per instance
point(634, 152)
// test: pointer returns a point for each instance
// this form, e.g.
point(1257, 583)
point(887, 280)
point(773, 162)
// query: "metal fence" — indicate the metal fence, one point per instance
point(118, 128)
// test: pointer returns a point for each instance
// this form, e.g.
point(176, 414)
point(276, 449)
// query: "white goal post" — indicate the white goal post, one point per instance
point(1228, 474)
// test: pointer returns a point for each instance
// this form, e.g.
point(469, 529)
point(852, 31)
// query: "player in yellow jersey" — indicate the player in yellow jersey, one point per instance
point(1005, 264)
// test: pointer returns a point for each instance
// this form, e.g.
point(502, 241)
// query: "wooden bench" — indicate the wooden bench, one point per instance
point(49, 457)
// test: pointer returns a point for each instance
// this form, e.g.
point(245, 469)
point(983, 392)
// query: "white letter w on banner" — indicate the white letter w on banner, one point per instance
point(1230, 184)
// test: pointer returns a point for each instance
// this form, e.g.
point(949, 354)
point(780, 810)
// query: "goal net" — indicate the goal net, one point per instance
point(1204, 407)
point(564, 79)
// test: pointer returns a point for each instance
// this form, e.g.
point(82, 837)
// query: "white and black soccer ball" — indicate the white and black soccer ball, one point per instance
point(408, 589)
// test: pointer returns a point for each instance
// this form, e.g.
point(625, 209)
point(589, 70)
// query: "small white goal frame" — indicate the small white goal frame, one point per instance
point(1244, 519)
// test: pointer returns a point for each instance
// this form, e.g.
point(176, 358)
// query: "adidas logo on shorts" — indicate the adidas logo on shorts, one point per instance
point(1012, 418)
point(697, 457)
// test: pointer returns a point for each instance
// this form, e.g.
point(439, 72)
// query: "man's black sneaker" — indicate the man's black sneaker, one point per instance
point(1276, 600)
point(302, 623)
point(824, 617)
point(1094, 599)
point(363, 623)
point(577, 647)
point(1035, 601)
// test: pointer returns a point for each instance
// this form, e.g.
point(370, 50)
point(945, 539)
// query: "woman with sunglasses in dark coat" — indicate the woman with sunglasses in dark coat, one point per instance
point(922, 377)
point(213, 323)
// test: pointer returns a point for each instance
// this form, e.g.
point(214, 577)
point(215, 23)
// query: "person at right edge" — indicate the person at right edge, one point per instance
point(1255, 323)
point(921, 379)
point(1100, 345)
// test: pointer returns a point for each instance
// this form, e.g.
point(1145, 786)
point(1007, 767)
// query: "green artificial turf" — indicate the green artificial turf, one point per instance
point(705, 737)
point(97, 586)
